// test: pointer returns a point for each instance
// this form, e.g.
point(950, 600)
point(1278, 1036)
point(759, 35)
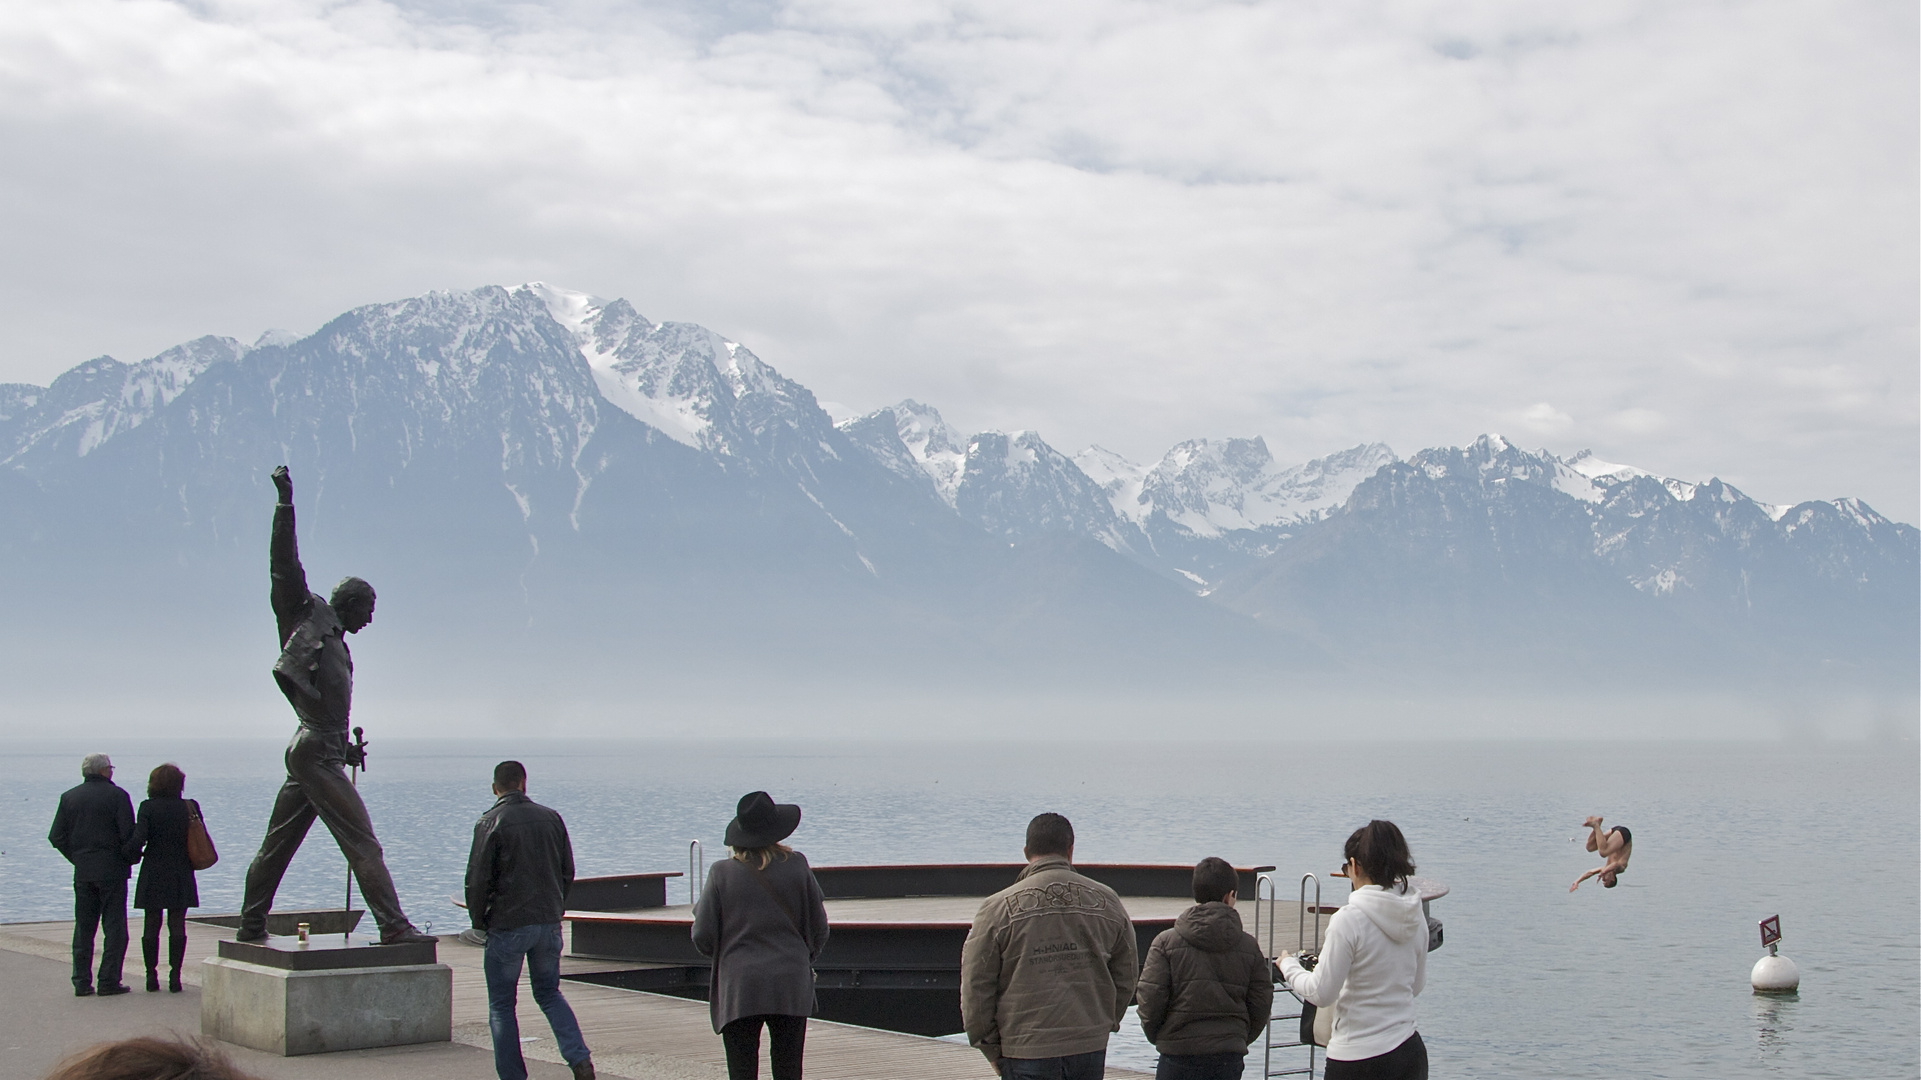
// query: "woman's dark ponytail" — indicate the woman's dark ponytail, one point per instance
point(1382, 852)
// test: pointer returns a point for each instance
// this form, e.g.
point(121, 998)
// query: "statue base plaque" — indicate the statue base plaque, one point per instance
point(336, 992)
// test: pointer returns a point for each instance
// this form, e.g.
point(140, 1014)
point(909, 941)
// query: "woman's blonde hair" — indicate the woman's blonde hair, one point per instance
point(761, 856)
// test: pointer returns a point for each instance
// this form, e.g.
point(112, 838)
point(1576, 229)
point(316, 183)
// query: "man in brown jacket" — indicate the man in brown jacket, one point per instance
point(1049, 967)
point(1206, 991)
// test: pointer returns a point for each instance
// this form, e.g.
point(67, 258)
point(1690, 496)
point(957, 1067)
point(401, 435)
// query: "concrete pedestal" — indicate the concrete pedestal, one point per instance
point(288, 1000)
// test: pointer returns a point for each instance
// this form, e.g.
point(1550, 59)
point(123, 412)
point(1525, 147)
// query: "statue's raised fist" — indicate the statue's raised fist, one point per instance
point(283, 483)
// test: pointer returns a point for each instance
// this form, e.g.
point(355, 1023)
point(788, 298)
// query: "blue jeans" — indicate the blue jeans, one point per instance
point(1088, 1066)
point(540, 945)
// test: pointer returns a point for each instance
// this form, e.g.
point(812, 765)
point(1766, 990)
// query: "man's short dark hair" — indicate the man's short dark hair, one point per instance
point(510, 776)
point(1213, 880)
point(1049, 834)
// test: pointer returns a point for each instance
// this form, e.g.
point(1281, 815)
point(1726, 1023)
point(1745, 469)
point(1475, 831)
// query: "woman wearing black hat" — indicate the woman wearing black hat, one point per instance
point(762, 919)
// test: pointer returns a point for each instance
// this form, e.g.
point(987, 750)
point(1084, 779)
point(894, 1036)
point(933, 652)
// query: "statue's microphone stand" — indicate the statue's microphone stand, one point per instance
point(353, 775)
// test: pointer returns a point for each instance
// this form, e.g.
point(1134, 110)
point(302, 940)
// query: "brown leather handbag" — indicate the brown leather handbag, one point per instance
point(200, 850)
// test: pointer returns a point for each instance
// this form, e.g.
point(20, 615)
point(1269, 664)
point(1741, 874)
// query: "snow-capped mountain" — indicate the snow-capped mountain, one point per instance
point(1015, 486)
point(1503, 552)
point(683, 380)
point(101, 398)
point(936, 449)
point(1211, 505)
point(1210, 487)
point(537, 468)
point(1208, 505)
point(540, 473)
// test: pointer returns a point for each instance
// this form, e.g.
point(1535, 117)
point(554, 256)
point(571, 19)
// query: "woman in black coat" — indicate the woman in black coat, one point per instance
point(166, 885)
point(761, 917)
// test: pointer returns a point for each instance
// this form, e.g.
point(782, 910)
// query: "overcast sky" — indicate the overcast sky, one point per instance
point(1682, 234)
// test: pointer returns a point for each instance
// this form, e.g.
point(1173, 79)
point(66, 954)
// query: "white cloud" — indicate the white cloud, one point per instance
point(1544, 419)
point(1124, 223)
point(1638, 421)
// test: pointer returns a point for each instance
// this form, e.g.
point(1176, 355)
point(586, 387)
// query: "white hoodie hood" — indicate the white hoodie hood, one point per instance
point(1395, 912)
point(1373, 965)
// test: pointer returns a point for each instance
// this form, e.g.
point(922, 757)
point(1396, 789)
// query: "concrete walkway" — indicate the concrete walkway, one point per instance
point(42, 1022)
point(634, 1036)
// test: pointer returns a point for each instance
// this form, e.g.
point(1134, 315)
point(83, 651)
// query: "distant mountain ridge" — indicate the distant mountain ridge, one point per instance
point(543, 459)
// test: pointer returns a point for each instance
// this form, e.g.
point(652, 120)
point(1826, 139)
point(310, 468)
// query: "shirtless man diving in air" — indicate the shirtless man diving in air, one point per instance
point(1614, 845)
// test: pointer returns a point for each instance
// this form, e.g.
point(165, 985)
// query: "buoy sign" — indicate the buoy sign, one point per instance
point(1770, 930)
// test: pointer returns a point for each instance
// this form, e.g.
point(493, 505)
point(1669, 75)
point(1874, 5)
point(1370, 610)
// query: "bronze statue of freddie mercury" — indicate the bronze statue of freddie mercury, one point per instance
point(316, 672)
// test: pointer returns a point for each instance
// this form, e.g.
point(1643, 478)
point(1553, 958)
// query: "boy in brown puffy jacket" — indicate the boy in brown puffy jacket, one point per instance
point(1206, 990)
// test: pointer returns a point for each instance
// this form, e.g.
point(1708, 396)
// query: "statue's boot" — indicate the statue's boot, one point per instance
point(405, 935)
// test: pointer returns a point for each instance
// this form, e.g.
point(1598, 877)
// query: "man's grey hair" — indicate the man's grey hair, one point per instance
point(95, 765)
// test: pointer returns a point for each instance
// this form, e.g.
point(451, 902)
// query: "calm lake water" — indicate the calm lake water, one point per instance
point(1646, 980)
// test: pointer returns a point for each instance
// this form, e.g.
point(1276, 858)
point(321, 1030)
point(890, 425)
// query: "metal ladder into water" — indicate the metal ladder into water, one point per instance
point(1265, 897)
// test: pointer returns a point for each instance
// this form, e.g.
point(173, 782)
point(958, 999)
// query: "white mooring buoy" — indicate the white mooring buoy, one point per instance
point(1774, 973)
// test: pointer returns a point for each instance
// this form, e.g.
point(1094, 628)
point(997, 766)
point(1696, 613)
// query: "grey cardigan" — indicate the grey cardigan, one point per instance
point(763, 953)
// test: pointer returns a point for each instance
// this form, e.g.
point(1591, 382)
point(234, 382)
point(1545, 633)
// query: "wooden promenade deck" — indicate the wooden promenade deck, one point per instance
point(634, 1035)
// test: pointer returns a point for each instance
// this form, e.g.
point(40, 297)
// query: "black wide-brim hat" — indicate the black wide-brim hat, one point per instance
point(760, 822)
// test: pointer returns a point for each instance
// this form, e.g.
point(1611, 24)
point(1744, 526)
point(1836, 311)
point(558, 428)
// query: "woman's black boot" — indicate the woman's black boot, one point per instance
point(176, 952)
point(150, 952)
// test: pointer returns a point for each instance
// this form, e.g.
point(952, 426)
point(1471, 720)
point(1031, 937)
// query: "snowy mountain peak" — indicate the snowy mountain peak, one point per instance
point(1859, 512)
point(1607, 474)
point(1209, 487)
point(598, 326)
point(1104, 466)
point(749, 374)
point(103, 397)
point(1594, 468)
point(1492, 459)
point(1015, 485)
point(1119, 477)
point(571, 309)
point(670, 376)
point(940, 451)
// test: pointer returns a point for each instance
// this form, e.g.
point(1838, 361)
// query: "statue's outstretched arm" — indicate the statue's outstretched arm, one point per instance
point(291, 600)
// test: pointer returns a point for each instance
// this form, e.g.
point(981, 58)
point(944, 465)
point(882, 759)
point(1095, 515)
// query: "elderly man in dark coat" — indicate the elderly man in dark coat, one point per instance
point(91, 829)
point(316, 673)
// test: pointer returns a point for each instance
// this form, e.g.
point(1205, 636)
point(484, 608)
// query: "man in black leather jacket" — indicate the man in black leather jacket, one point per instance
point(518, 874)
point(92, 826)
point(316, 673)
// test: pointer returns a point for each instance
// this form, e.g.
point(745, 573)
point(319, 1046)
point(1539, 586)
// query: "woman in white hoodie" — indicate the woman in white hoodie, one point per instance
point(1373, 963)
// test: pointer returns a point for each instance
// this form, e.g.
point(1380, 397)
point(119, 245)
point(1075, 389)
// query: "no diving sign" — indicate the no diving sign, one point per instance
point(1770, 930)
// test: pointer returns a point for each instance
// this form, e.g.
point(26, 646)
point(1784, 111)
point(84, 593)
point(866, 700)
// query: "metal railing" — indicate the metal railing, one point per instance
point(696, 871)
point(1267, 898)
